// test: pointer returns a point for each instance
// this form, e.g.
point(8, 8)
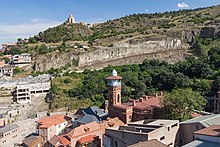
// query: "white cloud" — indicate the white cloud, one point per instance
point(182, 5)
point(11, 32)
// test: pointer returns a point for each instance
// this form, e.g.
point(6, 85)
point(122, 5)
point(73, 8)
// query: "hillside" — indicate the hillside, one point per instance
point(170, 36)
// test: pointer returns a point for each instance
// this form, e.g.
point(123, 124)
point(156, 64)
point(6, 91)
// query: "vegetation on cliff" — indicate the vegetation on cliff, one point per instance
point(201, 75)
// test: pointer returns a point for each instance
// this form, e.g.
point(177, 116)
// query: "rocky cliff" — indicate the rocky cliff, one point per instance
point(134, 50)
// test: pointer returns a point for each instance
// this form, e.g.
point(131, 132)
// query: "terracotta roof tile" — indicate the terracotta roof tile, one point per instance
point(87, 139)
point(83, 129)
point(52, 120)
point(210, 131)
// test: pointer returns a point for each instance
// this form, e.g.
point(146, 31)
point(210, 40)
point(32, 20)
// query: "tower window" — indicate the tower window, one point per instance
point(118, 98)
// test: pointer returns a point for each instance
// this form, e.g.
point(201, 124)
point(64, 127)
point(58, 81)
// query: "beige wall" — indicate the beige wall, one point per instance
point(47, 133)
point(186, 132)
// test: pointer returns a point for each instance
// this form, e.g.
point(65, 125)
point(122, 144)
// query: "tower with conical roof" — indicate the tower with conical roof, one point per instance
point(114, 89)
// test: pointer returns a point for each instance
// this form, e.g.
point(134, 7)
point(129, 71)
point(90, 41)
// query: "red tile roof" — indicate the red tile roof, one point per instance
point(84, 129)
point(64, 141)
point(150, 103)
point(60, 140)
point(49, 121)
point(210, 131)
point(87, 139)
point(114, 78)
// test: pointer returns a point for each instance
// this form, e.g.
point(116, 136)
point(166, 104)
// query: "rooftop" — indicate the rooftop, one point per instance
point(149, 143)
point(145, 126)
point(31, 140)
point(210, 131)
point(87, 139)
point(144, 103)
point(200, 143)
point(207, 120)
point(8, 128)
point(59, 141)
point(82, 129)
point(49, 121)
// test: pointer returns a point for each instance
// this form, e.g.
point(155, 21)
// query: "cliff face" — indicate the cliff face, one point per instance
point(130, 51)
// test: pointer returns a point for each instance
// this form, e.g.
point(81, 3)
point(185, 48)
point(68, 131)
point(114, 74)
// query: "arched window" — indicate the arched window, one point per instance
point(118, 98)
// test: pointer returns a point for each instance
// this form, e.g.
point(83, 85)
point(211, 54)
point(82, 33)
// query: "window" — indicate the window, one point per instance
point(118, 98)
point(116, 144)
point(170, 144)
point(174, 125)
point(162, 138)
point(168, 128)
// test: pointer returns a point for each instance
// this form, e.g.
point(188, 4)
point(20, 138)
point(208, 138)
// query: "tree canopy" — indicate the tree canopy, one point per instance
point(180, 103)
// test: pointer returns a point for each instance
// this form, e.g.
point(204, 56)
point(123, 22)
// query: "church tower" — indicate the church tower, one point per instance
point(71, 19)
point(114, 89)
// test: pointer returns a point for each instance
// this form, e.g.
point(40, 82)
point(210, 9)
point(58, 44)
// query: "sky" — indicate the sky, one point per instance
point(25, 18)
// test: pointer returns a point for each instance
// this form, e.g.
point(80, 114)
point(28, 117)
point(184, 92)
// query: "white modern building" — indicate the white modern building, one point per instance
point(21, 60)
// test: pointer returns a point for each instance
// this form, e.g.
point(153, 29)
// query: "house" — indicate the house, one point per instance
point(164, 131)
point(6, 70)
point(188, 127)
point(52, 125)
point(9, 135)
point(8, 45)
point(149, 143)
point(89, 134)
point(90, 114)
point(21, 60)
point(133, 110)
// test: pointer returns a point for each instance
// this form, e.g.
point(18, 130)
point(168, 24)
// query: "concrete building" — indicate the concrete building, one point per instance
point(9, 135)
point(188, 127)
point(30, 87)
point(133, 110)
point(164, 131)
point(21, 60)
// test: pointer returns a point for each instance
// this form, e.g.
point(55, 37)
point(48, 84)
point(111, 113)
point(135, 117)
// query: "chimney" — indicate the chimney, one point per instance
point(161, 93)
point(145, 97)
point(141, 100)
point(156, 94)
point(134, 103)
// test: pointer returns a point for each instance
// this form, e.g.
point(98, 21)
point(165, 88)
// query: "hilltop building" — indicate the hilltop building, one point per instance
point(133, 110)
point(70, 19)
point(163, 131)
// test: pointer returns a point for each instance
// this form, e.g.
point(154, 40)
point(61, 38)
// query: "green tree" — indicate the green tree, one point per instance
point(180, 103)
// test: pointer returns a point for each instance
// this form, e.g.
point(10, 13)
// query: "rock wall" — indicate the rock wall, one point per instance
point(132, 51)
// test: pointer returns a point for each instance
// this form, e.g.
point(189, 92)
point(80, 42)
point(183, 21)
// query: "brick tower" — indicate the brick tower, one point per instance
point(114, 89)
